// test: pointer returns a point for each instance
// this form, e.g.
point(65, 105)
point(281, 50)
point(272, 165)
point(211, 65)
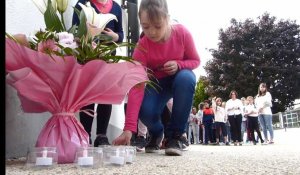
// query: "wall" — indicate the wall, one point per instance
point(22, 129)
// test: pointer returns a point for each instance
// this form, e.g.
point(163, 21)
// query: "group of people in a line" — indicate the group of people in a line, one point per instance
point(229, 121)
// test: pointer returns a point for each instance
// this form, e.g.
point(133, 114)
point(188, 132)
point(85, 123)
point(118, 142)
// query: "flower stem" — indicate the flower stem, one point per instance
point(63, 21)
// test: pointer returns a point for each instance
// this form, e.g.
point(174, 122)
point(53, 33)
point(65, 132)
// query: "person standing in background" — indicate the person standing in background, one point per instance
point(220, 120)
point(194, 126)
point(201, 127)
point(244, 120)
point(251, 113)
point(113, 29)
point(234, 109)
point(208, 119)
point(263, 102)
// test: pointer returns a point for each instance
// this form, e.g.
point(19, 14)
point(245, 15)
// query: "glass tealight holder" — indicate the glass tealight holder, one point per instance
point(114, 155)
point(42, 157)
point(89, 157)
point(130, 154)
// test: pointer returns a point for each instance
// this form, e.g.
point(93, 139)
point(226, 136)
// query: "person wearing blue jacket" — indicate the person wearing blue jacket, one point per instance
point(115, 30)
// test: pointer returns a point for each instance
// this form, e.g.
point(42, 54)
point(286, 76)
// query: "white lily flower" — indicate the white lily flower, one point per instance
point(42, 5)
point(98, 20)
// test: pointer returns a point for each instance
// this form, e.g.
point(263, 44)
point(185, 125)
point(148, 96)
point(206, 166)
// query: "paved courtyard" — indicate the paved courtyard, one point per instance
point(283, 157)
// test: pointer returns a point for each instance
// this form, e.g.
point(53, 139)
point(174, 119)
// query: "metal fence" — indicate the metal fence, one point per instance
point(288, 119)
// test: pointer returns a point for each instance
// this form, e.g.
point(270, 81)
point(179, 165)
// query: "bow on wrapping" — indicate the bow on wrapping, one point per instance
point(62, 87)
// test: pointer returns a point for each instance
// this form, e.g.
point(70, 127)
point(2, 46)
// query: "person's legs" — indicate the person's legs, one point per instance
point(183, 88)
point(206, 132)
point(269, 125)
point(190, 134)
point(239, 131)
point(150, 113)
point(196, 138)
point(218, 127)
point(140, 140)
point(86, 120)
point(243, 129)
point(151, 110)
point(103, 117)
point(256, 128)
point(228, 132)
point(251, 128)
point(262, 122)
point(233, 128)
point(224, 132)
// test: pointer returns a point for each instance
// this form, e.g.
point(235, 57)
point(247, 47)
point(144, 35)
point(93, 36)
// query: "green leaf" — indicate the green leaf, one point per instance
point(73, 29)
point(52, 21)
point(82, 29)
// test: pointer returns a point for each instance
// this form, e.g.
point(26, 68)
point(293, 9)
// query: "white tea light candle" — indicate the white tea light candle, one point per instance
point(85, 160)
point(44, 160)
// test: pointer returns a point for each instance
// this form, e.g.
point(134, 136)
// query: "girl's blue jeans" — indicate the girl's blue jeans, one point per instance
point(180, 87)
point(265, 122)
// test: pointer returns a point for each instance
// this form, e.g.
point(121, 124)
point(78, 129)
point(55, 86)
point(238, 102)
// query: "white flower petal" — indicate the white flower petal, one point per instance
point(101, 20)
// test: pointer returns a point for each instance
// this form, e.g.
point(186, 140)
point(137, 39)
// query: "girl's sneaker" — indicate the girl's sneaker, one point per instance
point(173, 147)
point(153, 146)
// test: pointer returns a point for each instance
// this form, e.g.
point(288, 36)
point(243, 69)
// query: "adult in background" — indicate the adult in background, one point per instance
point(113, 29)
point(234, 109)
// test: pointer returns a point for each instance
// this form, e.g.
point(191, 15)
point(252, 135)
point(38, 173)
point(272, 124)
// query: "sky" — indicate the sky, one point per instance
point(204, 19)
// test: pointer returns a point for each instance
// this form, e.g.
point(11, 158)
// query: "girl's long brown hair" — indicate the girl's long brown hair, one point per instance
point(262, 93)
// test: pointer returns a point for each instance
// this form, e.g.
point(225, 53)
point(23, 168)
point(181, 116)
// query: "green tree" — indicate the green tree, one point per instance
point(200, 91)
point(250, 53)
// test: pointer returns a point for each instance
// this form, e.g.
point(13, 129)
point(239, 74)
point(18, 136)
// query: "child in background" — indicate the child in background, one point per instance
point(220, 119)
point(251, 112)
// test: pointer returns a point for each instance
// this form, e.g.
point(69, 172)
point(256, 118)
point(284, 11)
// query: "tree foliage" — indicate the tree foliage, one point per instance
point(200, 91)
point(250, 53)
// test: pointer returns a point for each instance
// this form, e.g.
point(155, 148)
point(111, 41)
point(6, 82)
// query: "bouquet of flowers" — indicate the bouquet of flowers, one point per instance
point(60, 71)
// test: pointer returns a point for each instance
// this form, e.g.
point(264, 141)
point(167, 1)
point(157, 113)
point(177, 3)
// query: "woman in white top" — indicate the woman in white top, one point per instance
point(234, 110)
point(263, 102)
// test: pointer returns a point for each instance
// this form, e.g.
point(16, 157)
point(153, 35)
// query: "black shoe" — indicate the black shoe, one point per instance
point(184, 141)
point(227, 144)
point(174, 146)
point(101, 140)
point(154, 144)
point(140, 143)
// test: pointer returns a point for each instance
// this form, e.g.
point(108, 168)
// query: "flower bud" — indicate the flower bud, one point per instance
point(62, 5)
point(42, 5)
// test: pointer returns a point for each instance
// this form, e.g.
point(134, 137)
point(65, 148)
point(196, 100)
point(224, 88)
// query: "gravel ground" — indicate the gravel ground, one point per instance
point(283, 157)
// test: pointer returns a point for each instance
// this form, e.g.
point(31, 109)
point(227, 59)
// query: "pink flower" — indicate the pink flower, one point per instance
point(94, 45)
point(47, 46)
point(67, 40)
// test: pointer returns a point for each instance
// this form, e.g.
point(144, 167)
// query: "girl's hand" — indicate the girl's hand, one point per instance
point(170, 67)
point(111, 33)
point(123, 139)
